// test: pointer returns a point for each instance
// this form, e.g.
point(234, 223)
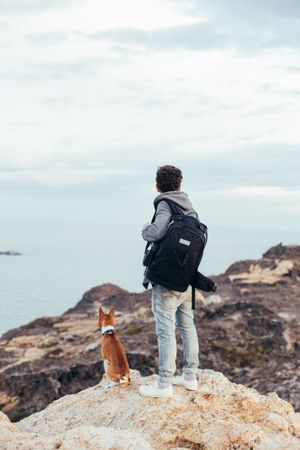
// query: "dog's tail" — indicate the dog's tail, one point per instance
point(125, 381)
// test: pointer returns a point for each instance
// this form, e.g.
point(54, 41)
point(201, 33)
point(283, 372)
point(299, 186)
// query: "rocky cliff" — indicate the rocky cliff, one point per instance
point(219, 416)
point(249, 331)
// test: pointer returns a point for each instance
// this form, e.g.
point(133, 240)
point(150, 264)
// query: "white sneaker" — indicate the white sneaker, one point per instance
point(152, 390)
point(191, 385)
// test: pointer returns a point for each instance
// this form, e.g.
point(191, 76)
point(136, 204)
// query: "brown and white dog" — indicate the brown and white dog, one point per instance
point(115, 361)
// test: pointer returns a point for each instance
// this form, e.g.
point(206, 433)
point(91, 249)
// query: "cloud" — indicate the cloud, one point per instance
point(60, 176)
point(275, 192)
point(47, 39)
point(270, 171)
point(196, 36)
point(254, 10)
point(259, 24)
point(31, 6)
point(256, 165)
point(294, 69)
point(248, 27)
point(133, 89)
point(266, 110)
point(56, 70)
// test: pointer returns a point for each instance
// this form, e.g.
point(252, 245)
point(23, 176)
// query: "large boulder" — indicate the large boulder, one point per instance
point(219, 416)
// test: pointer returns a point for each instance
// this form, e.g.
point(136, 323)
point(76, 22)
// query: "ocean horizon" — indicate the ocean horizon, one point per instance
point(61, 261)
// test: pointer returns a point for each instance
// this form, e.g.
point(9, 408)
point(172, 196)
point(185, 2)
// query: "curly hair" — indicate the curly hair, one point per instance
point(168, 178)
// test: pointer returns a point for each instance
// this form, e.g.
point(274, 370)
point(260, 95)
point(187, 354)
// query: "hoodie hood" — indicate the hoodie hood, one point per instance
point(179, 197)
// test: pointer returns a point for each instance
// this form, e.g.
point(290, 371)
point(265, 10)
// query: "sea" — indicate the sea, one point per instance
point(60, 261)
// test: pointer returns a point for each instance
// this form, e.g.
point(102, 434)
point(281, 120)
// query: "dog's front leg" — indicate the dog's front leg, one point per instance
point(105, 365)
point(110, 383)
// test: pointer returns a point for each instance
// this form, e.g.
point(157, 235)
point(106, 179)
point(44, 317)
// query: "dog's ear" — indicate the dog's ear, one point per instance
point(101, 313)
point(112, 312)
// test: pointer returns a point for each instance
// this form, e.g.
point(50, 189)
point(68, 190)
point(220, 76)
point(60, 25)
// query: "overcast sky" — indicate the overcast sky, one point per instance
point(96, 95)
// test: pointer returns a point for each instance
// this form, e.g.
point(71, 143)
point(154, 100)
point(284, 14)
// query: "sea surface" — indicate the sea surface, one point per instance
point(61, 261)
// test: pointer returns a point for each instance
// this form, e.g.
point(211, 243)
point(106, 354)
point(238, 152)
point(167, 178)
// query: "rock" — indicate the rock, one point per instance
point(92, 346)
point(283, 252)
point(7, 402)
point(10, 252)
point(221, 415)
point(269, 275)
point(213, 299)
point(6, 426)
point(79, 438)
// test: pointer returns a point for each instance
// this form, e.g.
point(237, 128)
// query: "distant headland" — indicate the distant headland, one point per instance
point(10, 252)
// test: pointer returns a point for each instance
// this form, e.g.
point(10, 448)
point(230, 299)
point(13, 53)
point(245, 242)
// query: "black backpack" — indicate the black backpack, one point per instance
point(173, 261)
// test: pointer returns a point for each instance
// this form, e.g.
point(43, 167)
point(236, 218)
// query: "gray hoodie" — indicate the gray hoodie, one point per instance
point(159, 227)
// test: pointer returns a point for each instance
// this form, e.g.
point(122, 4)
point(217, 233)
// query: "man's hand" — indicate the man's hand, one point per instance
point(146, 225)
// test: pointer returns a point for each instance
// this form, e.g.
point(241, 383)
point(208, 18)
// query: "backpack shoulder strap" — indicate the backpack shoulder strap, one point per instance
point(174, 207)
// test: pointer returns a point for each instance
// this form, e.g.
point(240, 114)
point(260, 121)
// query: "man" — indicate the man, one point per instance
point(171, 308)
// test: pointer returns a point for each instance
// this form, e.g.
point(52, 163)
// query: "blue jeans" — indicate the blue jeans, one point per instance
point(171, 309)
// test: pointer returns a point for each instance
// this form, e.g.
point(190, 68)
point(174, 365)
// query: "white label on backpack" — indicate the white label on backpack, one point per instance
point(184, 242)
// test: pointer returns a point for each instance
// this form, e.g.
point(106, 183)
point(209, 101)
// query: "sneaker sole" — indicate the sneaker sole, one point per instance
point(188, 388)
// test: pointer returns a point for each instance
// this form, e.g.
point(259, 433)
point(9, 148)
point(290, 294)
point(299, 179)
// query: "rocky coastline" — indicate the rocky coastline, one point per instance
point(249, 330)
